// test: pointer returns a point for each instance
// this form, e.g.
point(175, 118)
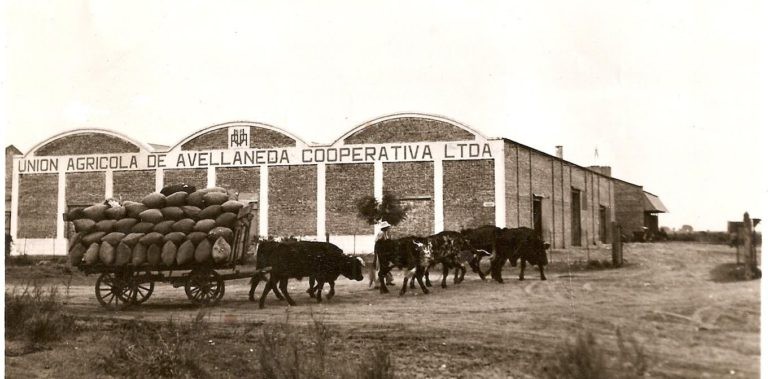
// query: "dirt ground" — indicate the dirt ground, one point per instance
point(678, 299)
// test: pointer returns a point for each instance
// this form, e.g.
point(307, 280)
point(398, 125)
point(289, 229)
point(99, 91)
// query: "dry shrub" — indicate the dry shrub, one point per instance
point(291, 352)
point(142, 349)
point(584, 358)
point(389, 209)
point(36, 315)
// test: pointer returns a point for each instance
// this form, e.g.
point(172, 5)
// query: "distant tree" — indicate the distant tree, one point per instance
point(686, 229)
point(389, 209)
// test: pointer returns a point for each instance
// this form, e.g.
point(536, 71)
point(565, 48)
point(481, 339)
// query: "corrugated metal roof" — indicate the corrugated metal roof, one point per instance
point(653, 204)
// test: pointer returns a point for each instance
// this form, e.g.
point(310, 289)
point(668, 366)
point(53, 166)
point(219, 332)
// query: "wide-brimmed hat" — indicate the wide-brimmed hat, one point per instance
point(384, 224)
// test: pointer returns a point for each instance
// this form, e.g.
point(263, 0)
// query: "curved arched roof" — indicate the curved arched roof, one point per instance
point(421, 116)
point(211, 128)
point(73, 133)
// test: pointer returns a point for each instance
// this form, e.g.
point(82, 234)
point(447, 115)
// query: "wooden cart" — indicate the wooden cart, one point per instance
point(118, 288)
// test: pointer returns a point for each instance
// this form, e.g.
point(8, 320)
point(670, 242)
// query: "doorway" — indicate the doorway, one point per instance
point(575, 217)
point(537, 216)
point(603, 227)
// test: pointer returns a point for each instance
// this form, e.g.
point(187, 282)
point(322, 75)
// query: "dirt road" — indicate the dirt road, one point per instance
point(675, 298)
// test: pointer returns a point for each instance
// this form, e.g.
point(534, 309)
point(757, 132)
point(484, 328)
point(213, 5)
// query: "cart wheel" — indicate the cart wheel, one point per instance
point(114, 292)
point(204, 287)
point(143, 292)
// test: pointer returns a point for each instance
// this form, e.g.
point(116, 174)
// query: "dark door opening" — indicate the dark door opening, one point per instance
point(537, 216)
point(603, 220)
point(575, 217)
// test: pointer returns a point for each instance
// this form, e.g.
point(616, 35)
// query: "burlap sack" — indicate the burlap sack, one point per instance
point(93, 237)
point(210, 212)
point(92, 254)
point(185, 225)
point(185, 253)
point(233, 206)
point(113, 238)
point(106, 254)
point(105, 226)
point(154, 200)
point(76, 254)
point(203, 251)
point(176, 237)
point(220, 232)
point(213, 189)
point(168, 255)
point(132, 239)
point(95, 212)
point(172, 213)
point(196, 237)
point(143, 227)
point(153, 238)
point(75, 214)
point(205, 226)
point(153, 255)
point(226, 219)
point(132, 208)
point(84, 225)
point(177, 199)
point(123, 254)
point(139, 255)
point(221, 250)
point(164, 227)
point(190, 211)
point(151, 215)
point(125, 225)
point(115, 213)
point(196, 199)
point(215, 198)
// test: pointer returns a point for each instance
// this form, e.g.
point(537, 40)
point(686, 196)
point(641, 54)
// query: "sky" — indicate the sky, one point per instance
point(668, 93)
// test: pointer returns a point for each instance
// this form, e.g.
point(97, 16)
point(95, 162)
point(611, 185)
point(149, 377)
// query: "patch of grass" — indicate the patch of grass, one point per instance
point(36, 314)
point(143, 349)
point(584, 358)
point(288, 352)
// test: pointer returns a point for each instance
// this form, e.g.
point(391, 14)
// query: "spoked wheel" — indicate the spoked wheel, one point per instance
point(204, 287)
point(115, 291)
point(143, 292)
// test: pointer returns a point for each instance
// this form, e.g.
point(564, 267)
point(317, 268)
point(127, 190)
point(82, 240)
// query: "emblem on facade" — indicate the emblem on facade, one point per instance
point(239, 137)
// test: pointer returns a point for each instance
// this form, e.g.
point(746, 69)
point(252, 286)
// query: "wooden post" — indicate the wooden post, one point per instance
point(617, 254)
point(750, 260)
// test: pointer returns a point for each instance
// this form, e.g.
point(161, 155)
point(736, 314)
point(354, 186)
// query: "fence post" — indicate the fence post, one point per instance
point(616, 247)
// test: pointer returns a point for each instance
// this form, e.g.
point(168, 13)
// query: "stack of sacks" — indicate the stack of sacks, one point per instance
point(160, 231)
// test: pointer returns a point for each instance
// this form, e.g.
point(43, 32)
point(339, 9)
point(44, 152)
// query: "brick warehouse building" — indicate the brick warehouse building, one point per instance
point(451, 176)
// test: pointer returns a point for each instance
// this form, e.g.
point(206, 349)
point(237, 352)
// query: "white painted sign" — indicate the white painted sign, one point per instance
point(403, 152)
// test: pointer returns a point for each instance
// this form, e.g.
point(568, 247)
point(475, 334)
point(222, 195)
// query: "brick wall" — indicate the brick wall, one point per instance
point(293, 200)
point(557, 198)
point(84, 188)
point(466, 186)
point(215, 139)
point(197, 177)
point(510, 184)
point(87, 143)
point(10, 151)
point(218, 139)
point(244, 180)
point(524, 190)
point(38, 205)
point(263, 138)
point(345, 184)
point(629, 206)
point(408, 180)
point(409, 129)
point(541, 184)
point(133, 185)
point(567, 173)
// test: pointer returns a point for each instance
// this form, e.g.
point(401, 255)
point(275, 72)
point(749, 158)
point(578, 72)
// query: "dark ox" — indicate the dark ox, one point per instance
point(413, 254)
point(453, 251)
point(518, 243)
point(280, 261)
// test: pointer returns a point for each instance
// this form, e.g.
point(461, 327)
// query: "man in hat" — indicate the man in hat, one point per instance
point(383, 235)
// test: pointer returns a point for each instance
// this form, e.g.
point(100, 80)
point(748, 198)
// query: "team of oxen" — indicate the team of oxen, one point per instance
point(324, 262)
